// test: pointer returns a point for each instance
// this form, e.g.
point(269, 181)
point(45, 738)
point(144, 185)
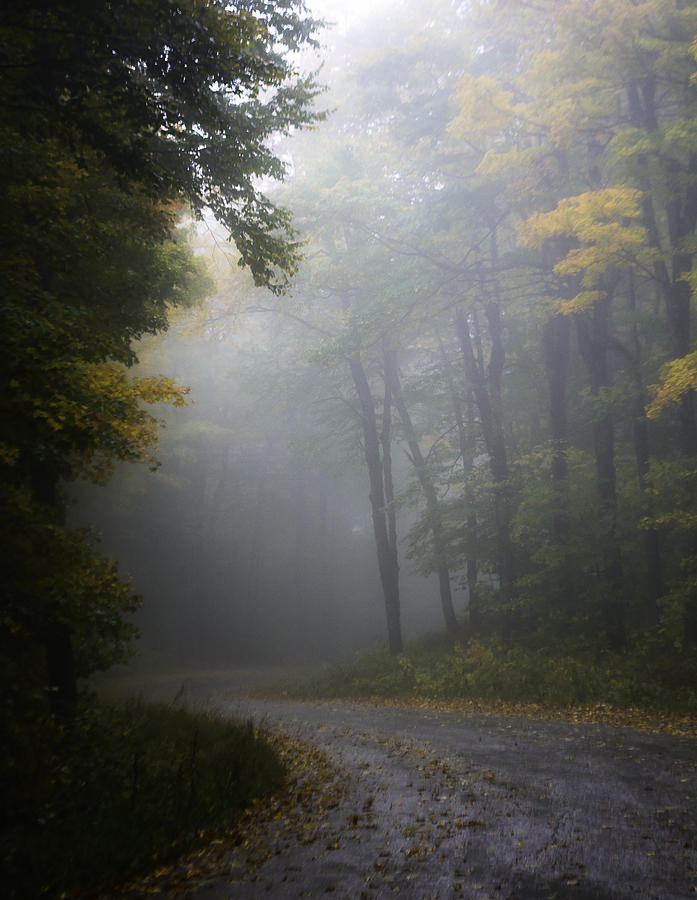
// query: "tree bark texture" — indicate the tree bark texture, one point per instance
point(487, 392)
point(593, 340)
point(555, 352)
point(681, 219)
point(386, 547)
point(467, 446)
point(433, 510)
point(640, 434)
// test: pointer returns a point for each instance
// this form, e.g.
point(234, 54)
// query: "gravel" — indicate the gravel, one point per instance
point(440, 804)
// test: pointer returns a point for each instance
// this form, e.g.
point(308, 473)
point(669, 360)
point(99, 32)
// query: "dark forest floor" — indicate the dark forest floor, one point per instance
point(429, 802)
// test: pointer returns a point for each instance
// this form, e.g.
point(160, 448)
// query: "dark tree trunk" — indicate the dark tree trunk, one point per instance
point(386, 443)
point(384, 542)
point(475, 612)
point(466, 441)
point(555, 345)
point(486, 389)
point(640, 433)
point(593, 340)
point(432, 504)
point(555, 352)
point(681, 218)
point(60, 663)
point(652, 552)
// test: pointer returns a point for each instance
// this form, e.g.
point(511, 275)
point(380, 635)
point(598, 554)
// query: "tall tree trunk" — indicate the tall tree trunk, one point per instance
point(652, 550)
point(432, 504)
point(486, 389)
point(555, 347)
point(555, 355)
point(592, 333)
point(681, 219)
point(640, 433)
point(475, 609)
point(386, 443)
point(466, 442)
point(384, 542)
point(58, 640)
point(555, 352)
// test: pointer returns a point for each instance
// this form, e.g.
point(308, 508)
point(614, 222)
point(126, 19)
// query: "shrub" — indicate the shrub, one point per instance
point(121, 786)
point(484, 670)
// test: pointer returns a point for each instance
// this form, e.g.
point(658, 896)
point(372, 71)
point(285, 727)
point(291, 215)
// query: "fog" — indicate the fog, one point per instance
point(253, 541)
point(439, 420)
point(374, 350)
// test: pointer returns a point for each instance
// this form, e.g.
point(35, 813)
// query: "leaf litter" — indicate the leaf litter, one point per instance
point(436, 800)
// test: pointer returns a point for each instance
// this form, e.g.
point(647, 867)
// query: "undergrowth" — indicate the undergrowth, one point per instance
point(120, 788)
point(473, 669)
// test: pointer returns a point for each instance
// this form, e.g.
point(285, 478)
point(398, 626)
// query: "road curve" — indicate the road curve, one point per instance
point(438, 804)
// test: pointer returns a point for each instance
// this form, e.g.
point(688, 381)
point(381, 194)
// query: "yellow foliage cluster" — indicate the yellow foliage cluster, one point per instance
point(96, 406)
point(677, 378)
point(599, 226)
point(484, 109)
point(594, 217)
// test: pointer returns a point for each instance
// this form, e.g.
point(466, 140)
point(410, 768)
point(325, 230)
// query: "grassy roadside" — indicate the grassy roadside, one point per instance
point(314, 784)
point(123, 788)
point(632, 689)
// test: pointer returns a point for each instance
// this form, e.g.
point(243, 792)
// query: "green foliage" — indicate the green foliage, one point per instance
point(651, 677)
point(373, 672)
point(678, 378)
point(551, 182)
point(119, 788)
point(180, 98)
point(53, 579)
point(116, 119)
point(539, 173)
point(597, 221)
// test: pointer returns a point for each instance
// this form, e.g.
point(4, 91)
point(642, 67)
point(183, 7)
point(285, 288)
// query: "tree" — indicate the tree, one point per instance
point(113, 116)
point(433, 506)
point(493, 281)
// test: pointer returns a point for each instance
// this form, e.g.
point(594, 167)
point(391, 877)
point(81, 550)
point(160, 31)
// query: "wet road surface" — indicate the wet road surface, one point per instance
point(425, 803)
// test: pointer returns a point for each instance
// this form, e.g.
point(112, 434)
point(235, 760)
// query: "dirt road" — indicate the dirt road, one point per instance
point(435, 804)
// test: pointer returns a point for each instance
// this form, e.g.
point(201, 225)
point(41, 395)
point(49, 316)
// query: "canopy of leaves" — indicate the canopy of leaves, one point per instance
point(116, 118)
point(535, 182)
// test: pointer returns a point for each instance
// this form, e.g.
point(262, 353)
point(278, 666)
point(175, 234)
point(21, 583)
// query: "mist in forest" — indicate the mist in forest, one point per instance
point(465, 410)
point(251, 540)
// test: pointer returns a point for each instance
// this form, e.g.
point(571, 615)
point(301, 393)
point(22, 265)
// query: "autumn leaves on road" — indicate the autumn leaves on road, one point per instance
point(385, 801)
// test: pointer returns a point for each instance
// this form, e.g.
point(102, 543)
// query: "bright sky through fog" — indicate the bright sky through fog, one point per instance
point(344, 12)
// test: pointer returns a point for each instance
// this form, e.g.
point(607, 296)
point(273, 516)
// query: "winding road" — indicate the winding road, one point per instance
point(424, 803)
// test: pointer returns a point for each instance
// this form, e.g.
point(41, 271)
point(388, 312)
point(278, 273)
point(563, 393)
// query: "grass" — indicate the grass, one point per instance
point(122, 788)
point(444, 669)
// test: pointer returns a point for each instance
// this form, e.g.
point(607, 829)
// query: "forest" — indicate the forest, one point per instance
point(394, 316)
point(481, 377)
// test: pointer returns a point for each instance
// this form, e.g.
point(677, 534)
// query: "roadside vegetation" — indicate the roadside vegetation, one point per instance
point(442, 667)
point(121, 789)
point(121, 124)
